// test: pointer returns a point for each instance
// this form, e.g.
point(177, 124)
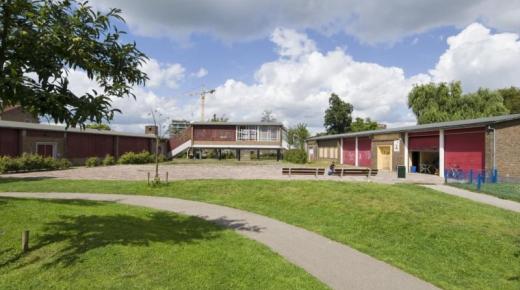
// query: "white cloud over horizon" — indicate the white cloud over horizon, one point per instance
point(297, 84)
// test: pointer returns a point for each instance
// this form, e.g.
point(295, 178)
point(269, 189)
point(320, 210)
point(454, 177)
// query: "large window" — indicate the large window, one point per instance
point(269, 133)
point(247, 133)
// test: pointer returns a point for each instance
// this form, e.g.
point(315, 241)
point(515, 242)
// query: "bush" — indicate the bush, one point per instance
point(109, 160)
point(295, 156)
point(31, 162)
point(137, 158)
point(92, 162)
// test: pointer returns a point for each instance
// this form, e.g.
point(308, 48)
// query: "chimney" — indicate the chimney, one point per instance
point(150, 129)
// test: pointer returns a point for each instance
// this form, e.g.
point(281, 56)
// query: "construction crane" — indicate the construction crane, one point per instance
point(203, 92)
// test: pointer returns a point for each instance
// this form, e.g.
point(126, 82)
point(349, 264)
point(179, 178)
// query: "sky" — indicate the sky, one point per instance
point(288, 56)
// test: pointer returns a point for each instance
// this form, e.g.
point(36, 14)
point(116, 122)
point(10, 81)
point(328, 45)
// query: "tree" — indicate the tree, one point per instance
point(98, 126)
point(297, 135)
point(511, 98)
point(445, 102)
point(361, 124)
point(338, 116)
point(42, 41)
point(267, 116)
point(217, 119)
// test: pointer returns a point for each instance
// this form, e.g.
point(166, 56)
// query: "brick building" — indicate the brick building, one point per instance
point(74, 144)
point(243, 138)
point(16, 114)
point(478, 145)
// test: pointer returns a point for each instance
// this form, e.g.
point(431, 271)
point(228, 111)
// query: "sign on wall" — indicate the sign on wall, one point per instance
point(396, 145)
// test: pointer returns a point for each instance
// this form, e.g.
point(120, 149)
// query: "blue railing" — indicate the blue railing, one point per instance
point(471, 176)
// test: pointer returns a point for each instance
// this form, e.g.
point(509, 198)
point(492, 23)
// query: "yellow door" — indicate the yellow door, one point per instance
point(384, 157)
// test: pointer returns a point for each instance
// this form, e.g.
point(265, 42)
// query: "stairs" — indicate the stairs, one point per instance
point(181, 148)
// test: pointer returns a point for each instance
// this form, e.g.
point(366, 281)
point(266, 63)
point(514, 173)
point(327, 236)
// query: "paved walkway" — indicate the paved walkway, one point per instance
point(335, 264)
point(212, 171)
point(478, 197)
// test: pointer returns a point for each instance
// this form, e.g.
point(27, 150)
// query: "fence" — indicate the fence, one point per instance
point(489, 182)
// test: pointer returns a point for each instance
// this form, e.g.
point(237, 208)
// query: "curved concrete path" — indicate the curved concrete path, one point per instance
point(478, 197)
point(335, 264)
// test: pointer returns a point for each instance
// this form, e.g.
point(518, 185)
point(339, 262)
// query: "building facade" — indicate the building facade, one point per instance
point(241, 137)
point(479, 145)
point(73, 144)
point(16, 114)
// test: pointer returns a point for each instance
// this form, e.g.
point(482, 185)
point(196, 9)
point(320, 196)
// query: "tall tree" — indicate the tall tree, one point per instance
point(267, 116)
point(98, 126)
point(338, 116)
point(217, 119)
point(445, 102)
point(511, 98)
point(41, 41)
point(297, 135)
point(361, 124)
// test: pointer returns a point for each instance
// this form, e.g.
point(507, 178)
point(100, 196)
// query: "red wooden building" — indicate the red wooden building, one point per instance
point(243, 138)
point(72, 143)
point(478, 145)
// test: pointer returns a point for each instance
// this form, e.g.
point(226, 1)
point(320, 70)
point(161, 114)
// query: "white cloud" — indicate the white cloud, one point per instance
point(479, 58)
point(292, 44)
point(202, 72)
point(297, 89)
point(167, 74)
point(136, 112)
point(370, 21)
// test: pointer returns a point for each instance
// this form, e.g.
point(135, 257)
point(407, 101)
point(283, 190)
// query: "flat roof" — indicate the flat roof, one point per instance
point(245, 123)
point(426, 127)
point(45, 127)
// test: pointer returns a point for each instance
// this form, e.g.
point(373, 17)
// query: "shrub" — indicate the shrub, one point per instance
point(137, 158)
point(92, 162)
point(109, 160)
point(295, 156)
point(31, 162)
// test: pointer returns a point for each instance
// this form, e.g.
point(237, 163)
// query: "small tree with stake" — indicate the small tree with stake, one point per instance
point(158, 122)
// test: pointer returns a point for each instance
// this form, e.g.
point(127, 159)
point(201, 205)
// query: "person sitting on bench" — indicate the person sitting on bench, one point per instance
point(331, 168)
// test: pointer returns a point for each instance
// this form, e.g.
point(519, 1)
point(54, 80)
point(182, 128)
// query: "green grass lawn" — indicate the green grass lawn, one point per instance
point(92, 245)
point(449, 241)
point(509, 191)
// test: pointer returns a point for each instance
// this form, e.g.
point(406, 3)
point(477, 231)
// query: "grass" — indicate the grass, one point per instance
point(449, 241)
point(92, 245)
point(509, 191)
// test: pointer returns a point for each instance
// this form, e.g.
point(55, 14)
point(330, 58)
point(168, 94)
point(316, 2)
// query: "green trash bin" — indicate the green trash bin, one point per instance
point(401, 171)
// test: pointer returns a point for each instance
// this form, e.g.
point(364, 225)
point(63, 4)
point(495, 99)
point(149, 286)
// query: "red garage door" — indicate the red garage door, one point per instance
point(423, 141)
point(349, 151)
point(365, 152)
point(465, 149)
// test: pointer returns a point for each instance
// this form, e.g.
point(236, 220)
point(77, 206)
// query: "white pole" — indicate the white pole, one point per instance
point(356, 158)
point(441, 153)
point(406, 156)
point(341, 151)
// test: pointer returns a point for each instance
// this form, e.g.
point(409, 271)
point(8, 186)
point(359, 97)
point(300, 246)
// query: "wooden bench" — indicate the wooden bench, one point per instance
point(355, 172)
point(303, 171)
point(322, 171)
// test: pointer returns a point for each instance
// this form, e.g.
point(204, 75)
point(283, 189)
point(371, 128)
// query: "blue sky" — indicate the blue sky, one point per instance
point(287, 56)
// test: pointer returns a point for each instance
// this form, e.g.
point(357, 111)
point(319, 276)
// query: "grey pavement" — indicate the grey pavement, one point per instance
point(478, 197)
point(335, 264)
point(271, 171)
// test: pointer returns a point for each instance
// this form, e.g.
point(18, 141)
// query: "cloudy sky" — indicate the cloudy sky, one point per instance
point(287, 56)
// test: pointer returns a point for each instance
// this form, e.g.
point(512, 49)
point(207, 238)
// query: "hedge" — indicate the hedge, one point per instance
point(92, 162)
point(31, 162)
point(139, 158)
point(295, 156)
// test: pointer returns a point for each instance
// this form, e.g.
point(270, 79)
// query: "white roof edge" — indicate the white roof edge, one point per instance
point(56, 128)
point(426, 127)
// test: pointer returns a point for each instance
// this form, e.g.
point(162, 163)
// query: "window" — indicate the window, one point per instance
point(269, 133)
point(247, 133)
